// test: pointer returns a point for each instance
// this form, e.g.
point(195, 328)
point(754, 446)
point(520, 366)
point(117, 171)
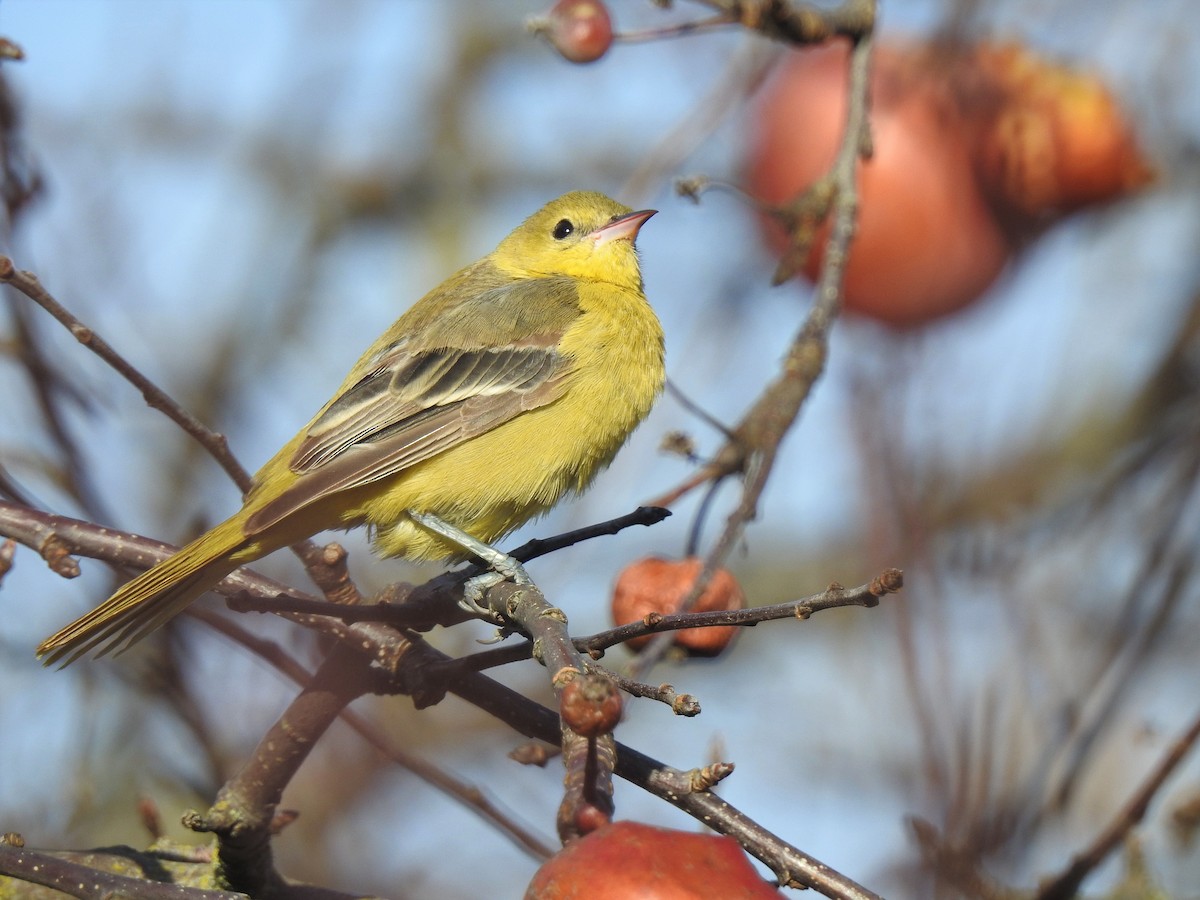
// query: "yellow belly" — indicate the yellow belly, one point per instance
point(496, 481)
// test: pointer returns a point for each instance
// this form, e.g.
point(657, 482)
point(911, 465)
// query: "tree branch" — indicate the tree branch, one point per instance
point(1067, 884)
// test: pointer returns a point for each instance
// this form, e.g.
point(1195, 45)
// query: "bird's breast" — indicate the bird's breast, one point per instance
point(524, 466)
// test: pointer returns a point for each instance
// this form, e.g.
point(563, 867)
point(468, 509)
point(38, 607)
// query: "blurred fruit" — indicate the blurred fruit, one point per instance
point(580, 30)
point(1057, 143)
point(926, 243)
point(629, 859)
point(654, 585)
point(976, 150)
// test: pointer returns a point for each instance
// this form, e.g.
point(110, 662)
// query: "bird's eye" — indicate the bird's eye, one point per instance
point(562, 229)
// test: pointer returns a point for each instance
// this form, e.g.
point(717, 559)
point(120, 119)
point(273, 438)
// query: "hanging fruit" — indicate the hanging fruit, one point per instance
point(976, 149)
point(580, 30)
point(1056, 143)
point(655, 585)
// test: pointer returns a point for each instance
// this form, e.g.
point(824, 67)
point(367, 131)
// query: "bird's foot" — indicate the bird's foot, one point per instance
point(503, 566)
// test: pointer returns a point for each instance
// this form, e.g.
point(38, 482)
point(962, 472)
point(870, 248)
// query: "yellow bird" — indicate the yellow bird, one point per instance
point(510, 384)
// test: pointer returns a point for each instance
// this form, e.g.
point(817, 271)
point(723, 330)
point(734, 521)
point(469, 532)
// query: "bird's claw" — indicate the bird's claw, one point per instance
point(503, 567)
point(474, 596)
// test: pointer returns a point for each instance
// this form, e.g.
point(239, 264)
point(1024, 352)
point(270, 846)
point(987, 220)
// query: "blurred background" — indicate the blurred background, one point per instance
point(240, 196)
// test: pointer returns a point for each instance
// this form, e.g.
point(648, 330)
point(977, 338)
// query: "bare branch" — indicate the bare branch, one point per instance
point(27, 283)
point(470, 796)
point(75, 879)
point(1067, 884)
point(888, 582)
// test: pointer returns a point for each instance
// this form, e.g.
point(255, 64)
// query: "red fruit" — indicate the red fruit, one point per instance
point(629, 859)
point(655, 585)
point(581, 30)
point(977, 149)
point(1057, 143)
point(926, 243)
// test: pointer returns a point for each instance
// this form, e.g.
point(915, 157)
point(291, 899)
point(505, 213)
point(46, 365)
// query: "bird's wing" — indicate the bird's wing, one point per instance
point(441, 396)
point(410, 406)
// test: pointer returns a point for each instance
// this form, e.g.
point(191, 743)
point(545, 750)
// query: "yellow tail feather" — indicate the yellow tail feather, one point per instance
point(146, 602)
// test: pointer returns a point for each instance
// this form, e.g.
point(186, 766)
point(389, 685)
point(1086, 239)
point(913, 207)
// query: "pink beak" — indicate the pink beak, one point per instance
point(624, 228)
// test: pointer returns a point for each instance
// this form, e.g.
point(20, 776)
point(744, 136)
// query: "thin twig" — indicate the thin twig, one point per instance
point(681, 704)
point(679, 29)
point(755, 446)
point(744, 72)
point(791, 865)
point(27, 283)
point(833, 597)
point(798, 23)
point(697, 410)
point(1067, 884)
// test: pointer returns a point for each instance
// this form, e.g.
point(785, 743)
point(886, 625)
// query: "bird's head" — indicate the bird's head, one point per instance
point(580, 235)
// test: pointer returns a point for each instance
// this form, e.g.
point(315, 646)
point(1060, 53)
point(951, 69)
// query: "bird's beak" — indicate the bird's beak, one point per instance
point(624, 228)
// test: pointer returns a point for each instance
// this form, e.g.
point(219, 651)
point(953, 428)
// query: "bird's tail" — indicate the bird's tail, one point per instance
point(148, 601)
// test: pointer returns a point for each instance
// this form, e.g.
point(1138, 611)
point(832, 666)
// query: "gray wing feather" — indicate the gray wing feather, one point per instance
point(410, 408)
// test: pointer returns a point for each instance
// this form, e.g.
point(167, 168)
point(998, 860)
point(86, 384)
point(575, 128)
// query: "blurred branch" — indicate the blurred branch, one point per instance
point(13, 491)
point(65, 873)
point(956, 866)
point(743, 74)
point(50, 388)
point(798, 23)
point(468, 795)
point(241, 816)
point(1067, 884)
point(1150, 487)
point(27, 283)
point(1161, 583)
point(782, 20)
point(960, 865)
